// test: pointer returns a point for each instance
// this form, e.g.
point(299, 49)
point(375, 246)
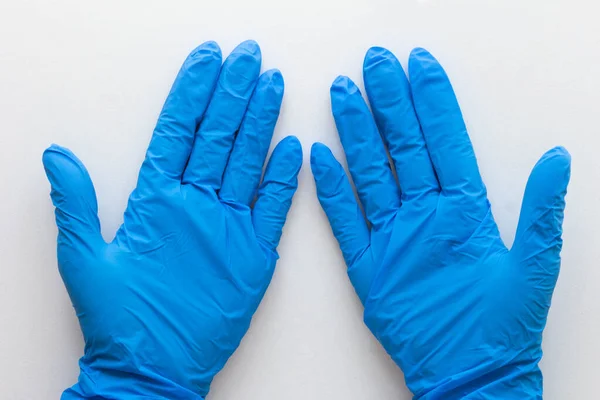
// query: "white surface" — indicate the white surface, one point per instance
point(93, 75)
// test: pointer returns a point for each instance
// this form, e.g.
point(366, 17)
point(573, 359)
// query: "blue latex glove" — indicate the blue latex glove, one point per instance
point(164, 305)
point(460, 313)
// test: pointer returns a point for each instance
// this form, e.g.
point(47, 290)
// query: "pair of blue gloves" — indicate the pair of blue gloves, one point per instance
point(166, 303)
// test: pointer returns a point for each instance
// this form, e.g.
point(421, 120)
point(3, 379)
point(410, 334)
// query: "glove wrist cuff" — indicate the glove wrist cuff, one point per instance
point(126, 385)
point(516, 381)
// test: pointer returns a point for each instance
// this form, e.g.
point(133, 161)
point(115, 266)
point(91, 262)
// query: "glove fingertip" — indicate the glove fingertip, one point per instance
point(318, 150)
point(206, 50)
point(321, 159)
point(290, 150)
point(59, 161)
point(250, 51)
point(376, 55)
point(277, 190)
point(551, 174)
point(274, 77)
point(422, 63)
point(559, 157)
point(341, 88)
point(421, 54)
point(68, 178)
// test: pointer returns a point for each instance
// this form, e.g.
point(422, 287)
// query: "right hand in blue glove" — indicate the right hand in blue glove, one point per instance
point(460, 313)
point(164, 305)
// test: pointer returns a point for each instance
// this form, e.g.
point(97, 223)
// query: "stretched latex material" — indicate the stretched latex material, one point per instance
point(460, 313)
point(165, 304)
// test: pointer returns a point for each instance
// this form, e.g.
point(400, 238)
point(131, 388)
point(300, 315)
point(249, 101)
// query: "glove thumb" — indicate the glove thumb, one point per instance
point(538, 240)
point(76, 211)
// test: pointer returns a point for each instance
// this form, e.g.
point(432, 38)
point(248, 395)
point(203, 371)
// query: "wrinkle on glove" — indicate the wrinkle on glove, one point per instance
point(165, 304)
point(458, 312)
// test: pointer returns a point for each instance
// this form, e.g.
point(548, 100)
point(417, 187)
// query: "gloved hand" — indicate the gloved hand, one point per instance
point(460, 313)
point(164, 305)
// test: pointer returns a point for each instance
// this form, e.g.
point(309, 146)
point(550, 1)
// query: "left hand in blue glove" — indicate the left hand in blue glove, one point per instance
point(164, 305)
point(460, 313)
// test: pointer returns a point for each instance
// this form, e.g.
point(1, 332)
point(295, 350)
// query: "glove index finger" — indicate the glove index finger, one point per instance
point(339, 203)
point(444, 130)
point(276, 191)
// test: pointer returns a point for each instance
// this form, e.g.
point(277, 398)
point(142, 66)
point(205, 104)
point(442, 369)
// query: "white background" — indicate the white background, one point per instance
point(93, 76)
